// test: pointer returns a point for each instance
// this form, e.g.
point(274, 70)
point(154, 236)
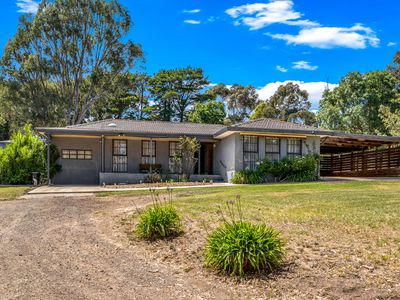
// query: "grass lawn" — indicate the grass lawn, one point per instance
point(10, 193)
point(342, 238)
point(372, 203)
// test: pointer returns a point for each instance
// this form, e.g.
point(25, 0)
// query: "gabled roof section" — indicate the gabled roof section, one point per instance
point(275, 126)
point(138, 127)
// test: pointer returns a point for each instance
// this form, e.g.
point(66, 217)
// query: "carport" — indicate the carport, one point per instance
point(344, 154)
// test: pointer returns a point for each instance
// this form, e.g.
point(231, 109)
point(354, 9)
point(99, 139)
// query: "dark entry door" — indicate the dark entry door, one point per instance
point(205, 159)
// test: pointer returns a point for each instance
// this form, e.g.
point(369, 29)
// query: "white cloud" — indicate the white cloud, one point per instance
point(355, 37)
point(193, 22)
point(391, 44)
point(281, 69)
point(314, 89)
point(27, 6)
point(260, 15)
point(303, 65)
point(191, 11)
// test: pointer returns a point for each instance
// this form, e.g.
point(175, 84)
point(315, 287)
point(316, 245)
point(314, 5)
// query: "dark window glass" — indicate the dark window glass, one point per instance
point(76, 154)
point(120, 158)
point(148, 152)
point(119, 147)
point(272, 149)
point(294, 148)
point(250, 152)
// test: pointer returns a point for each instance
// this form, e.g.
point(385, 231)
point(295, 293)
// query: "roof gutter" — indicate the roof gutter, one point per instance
point(67, 131)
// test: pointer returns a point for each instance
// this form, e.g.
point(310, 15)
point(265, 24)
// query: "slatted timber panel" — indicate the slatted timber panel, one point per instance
point(375, 162)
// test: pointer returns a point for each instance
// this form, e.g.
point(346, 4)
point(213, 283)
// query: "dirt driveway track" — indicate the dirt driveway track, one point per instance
point(68, 247)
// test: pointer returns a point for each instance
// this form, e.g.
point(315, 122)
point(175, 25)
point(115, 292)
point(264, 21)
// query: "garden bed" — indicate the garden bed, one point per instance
point(336, 247)
point(157, 185)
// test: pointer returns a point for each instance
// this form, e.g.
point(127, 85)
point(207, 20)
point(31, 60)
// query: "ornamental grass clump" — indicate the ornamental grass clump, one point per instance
point(239, 247)
point(161, 220)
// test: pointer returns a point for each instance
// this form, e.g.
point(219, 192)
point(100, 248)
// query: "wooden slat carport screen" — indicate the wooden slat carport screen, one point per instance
point(374, 162)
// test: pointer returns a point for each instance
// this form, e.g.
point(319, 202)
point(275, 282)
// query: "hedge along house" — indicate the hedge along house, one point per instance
point(125, 151)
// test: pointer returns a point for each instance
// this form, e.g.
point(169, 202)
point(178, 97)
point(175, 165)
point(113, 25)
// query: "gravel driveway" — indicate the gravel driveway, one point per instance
point(69, 247)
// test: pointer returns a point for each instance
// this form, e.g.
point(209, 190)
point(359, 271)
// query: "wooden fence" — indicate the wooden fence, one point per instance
point(376, 162)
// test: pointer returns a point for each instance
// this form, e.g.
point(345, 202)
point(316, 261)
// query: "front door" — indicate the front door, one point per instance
point(205, 159)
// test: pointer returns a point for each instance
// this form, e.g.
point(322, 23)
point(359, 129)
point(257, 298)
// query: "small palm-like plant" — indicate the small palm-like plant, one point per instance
point(160, 220)
point(238, 247)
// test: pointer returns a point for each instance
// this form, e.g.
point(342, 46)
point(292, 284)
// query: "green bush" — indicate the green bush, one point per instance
point(299, 169)
point(296, 169)
point(239, 247)
point(159, 221)
point(26, 154)
point(247, 177)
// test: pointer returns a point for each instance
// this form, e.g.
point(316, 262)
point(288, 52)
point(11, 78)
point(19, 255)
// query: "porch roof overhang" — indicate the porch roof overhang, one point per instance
point(270, 131)
point(67, 132)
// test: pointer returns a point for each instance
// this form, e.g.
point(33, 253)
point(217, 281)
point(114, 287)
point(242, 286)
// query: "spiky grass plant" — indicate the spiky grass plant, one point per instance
point(161, 220)
point(239, 247)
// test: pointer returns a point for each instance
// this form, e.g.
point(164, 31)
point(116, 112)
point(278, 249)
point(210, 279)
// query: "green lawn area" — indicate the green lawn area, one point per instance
point(340, 236)
point(372, 204)
point(10, 193)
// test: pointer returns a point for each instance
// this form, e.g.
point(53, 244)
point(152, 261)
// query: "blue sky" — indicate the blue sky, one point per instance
point(263, 43)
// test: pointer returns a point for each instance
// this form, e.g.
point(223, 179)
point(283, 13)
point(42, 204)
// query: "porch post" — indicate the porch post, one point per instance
point(151, 155)
point(102, 154)
point(199, 159)
point(48, 160)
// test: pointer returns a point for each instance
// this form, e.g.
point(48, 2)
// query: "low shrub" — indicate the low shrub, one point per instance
point(299, 169)
point(296, 169)
point(240, 247)
point(161, 220)
point(247, 177)
point(153, 178)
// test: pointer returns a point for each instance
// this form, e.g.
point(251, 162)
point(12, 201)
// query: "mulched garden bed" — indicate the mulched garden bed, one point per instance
point(158, 184)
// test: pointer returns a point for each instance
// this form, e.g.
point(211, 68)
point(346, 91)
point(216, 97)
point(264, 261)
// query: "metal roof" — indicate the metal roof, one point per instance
point(213, 131)
point(137, 127)
point(277, 126)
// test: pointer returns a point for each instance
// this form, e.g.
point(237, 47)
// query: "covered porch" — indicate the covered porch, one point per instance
point(128, 159)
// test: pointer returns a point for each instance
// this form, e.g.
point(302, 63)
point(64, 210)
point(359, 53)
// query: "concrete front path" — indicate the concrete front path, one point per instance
point(84, 189)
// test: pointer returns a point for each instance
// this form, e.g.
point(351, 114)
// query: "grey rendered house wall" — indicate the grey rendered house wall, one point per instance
point(310, 145)
point(228, 156)
point(79, 171)
point(135, 155)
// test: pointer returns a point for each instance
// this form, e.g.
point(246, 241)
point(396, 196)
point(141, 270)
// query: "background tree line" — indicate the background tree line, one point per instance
point(71, 63)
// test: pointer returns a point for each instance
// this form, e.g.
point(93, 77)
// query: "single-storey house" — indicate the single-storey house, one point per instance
point(124, 151)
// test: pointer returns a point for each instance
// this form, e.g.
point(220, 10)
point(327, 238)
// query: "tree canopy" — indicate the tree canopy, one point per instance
point(127, 99)
point(289, 103)
point(211, 112)
point(240, 100)
point(64, 59)
point(356, 104)
point(175, 91)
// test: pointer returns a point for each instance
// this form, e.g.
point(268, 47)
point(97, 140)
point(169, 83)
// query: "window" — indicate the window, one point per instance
point(148, 152)
point(76, 154)
point(120, 158)
point(250, 152)
point(294, 148)
point(174, 151)
point(272, 149)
